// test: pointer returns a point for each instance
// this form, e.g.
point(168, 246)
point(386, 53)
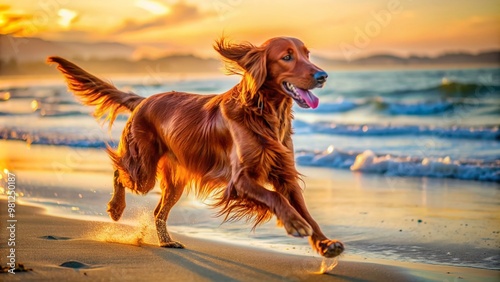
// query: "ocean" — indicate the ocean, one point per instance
point(433, 123)
point(419, 140)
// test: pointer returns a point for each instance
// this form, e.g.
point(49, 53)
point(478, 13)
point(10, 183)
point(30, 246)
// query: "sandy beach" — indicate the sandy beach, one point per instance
point(44, 243)
point(63, 233)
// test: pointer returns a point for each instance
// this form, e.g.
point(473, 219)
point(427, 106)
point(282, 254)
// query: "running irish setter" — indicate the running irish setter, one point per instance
point(236, 146)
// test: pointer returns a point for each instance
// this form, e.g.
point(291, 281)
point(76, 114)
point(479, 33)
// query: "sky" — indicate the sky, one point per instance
point(331, 28)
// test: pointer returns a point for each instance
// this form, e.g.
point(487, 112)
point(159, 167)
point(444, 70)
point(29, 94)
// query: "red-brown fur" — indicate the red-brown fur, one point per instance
point(232, 146)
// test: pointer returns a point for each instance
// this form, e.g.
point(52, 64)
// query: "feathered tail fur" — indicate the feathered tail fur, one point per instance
point(92, 91)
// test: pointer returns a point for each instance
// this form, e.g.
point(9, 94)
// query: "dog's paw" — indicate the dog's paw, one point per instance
point(172, 244)
point(298, 228)
point(330, 248)
point(115, 210)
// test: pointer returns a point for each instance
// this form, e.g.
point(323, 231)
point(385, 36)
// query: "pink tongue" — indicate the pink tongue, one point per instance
point(310, 99)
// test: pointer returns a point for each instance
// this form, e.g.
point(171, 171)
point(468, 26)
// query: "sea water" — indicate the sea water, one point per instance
point(435, 123)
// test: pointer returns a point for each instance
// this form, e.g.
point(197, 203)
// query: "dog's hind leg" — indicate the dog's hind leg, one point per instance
point(170, 193)
point(117, 203)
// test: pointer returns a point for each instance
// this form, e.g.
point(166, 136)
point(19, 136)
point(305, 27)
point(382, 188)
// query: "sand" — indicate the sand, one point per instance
point(376, 217)
point(61, 249)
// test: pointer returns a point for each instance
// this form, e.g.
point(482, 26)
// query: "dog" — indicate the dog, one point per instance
point(235, 147)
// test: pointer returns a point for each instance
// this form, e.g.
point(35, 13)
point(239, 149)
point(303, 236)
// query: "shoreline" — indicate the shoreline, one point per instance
point(45, 242)
point(144, 221)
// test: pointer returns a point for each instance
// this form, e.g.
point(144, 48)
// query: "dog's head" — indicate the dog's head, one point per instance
point(281, 64)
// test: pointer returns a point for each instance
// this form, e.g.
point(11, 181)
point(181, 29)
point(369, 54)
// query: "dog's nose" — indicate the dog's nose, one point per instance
point(320, 76)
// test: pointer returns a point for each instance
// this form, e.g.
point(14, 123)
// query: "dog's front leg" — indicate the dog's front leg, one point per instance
point(249, 189)
point(251, 159)
point(324, 246)
point(319, 242)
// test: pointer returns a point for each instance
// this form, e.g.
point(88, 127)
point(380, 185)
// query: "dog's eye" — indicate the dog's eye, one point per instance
point(287, 58)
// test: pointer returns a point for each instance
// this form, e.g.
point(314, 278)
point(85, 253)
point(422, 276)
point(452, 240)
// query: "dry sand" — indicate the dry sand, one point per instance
point(44, 243)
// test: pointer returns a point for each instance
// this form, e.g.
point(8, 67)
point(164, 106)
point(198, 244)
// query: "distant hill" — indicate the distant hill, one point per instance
point(26, 56)
point(484, 58)
point(32, 49)
point(169, 64)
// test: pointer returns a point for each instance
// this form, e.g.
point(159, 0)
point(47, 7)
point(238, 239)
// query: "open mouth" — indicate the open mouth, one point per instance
point(303, 97)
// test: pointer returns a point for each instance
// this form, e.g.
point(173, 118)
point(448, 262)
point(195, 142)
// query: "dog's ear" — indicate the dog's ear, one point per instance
point(254, 63)
point(246, 60)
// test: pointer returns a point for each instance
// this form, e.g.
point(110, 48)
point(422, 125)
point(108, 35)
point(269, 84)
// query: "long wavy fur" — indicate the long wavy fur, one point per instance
point(92, 91)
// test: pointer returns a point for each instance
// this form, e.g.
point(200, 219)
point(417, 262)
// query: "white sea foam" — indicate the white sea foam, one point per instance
point(389, 165)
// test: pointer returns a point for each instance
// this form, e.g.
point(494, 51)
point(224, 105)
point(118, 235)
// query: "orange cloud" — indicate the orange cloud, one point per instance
point(153, 7)
point(12, 23)
point(179, 13)
point(66, 18)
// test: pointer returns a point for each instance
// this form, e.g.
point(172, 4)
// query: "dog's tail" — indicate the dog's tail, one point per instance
point(92, 91)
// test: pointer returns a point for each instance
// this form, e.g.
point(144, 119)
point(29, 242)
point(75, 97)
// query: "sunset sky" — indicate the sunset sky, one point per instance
point(330, 28)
